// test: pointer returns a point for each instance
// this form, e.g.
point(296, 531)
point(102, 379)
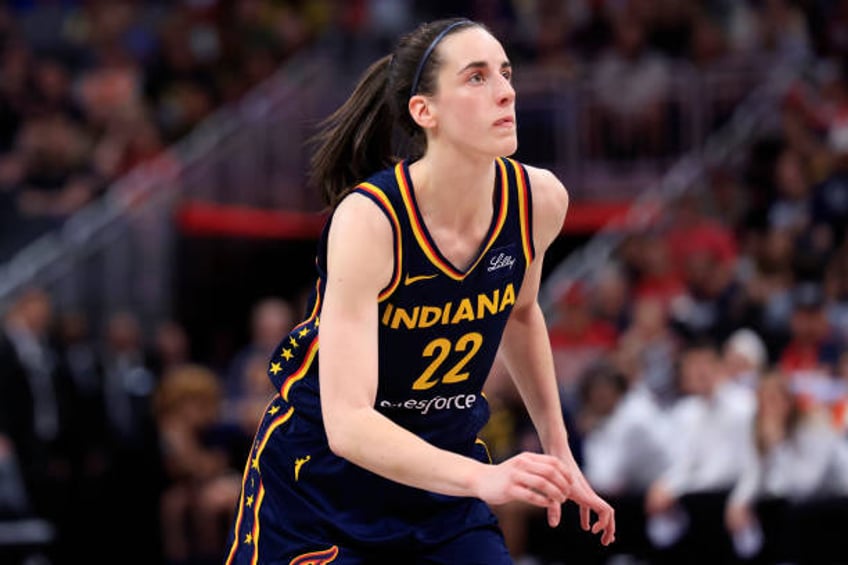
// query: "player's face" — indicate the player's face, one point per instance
point(475, 102)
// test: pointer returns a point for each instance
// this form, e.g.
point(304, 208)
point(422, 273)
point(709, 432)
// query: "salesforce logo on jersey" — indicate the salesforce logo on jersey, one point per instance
point(501, 259)
point(436, 403)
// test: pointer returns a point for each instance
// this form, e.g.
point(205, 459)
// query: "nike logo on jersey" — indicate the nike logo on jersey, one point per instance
point(409, 280)
point(298, 463)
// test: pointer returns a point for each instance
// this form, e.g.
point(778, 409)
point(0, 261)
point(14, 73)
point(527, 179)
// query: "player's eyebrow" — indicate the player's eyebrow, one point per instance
point(482, 65)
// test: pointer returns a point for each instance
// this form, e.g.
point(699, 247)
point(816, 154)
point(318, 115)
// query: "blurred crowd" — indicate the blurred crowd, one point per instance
point(704, 367)
point(703, 370)
point(92, 88)
point(123, 441)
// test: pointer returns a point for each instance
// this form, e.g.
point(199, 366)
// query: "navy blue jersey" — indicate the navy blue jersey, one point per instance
point(439, 330)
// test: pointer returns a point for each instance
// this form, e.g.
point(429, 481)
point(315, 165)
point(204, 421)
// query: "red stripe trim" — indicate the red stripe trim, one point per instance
point(316, 557)
point(301, 371)
point(260, 496)
point(377, 193)
point(280, 420)
point(524, 210)
point(418, 229)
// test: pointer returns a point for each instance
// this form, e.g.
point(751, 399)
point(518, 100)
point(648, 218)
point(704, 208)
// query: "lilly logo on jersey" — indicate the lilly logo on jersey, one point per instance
point(501, 258)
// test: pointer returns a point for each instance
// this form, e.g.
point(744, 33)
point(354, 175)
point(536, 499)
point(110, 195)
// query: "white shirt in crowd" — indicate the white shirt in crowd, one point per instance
point(812, 462)
point(625, 452)
point(706, 437)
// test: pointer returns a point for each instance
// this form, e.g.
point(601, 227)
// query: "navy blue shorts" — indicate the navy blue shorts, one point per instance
point(303, 505)
point(484, 546)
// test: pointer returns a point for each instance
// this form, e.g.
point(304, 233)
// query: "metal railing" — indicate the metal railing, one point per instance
point(757, 114)
point(118, 252)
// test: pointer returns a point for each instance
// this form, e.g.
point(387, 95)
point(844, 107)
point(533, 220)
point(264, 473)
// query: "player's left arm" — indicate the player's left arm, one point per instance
point(526, 351)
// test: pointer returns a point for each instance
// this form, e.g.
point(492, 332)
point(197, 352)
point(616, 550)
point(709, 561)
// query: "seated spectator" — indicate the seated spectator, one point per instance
point(623, 438)
point(650, 344)
point(745, 357)
point(707, 429)
point(256, 392)
point(810, 359)
point(202, 486)
point(271, 318)
point(790, 456)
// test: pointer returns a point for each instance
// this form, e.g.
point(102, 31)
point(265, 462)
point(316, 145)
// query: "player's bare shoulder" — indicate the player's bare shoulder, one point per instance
point(550, 204)
point(357, 220)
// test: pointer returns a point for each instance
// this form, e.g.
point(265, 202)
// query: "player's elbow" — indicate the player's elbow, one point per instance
point(338, 442)
point(340, 426)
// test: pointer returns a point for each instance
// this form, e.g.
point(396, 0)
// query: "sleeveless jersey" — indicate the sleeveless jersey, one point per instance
point(439, 331)
point(439, 326)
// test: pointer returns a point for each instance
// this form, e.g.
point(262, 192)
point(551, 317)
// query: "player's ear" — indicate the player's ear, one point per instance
point(421, 110)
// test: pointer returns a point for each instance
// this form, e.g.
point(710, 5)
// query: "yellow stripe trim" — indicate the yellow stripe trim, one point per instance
point(446, 268)
point(523, 214)
point(260, 495)
point(378, 193)
point(302, 370)
point(486, 447)
point(247, 466)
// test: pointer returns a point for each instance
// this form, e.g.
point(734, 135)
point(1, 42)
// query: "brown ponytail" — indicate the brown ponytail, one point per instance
point(356, 140)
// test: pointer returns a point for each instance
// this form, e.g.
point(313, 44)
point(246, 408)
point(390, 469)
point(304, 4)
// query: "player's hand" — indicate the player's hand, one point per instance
point(534, 478)
point(590, 503)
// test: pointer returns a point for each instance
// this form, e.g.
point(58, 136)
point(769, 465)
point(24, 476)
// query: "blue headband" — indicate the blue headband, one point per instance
point(429, 51)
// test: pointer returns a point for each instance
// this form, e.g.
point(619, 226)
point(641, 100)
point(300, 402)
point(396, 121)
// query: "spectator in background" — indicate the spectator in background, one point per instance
point(835, 286)
point(128, 385)
point(651, 347)
point(707, 429)
point(578, 339)
point(271, 318)
point(655, 273)
point(789, 458)
point(37, 410)
point(633, 124)
point(256, 393)
point(624, 452)
point(624, 439)
point(171, 347)
point(202, 486)
point(812, 348)
point(610, 297)
point(744, 357)
point(791, 208)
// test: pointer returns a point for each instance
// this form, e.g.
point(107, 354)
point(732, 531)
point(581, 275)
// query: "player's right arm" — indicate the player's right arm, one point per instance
point(360, 264)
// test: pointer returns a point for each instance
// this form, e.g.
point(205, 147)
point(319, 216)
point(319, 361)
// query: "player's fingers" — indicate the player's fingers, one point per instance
point(528, 495)
point(554, 514)
point(550, 467)
point(605, 524)
point(584, 516)
point(543, 486)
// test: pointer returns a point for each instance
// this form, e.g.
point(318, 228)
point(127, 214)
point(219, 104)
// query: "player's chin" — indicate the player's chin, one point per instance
point(506, 147)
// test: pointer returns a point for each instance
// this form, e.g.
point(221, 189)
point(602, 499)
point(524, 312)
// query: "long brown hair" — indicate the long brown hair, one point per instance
point(356, 140)
point(774, 381)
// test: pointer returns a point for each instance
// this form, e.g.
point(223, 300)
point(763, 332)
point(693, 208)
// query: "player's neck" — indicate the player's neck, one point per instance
point(454, 188)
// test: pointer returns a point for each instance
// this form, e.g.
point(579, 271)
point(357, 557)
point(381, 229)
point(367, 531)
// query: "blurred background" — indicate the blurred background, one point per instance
point(157, 238)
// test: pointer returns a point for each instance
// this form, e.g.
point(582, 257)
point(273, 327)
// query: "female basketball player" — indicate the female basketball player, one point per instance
point(428, 267)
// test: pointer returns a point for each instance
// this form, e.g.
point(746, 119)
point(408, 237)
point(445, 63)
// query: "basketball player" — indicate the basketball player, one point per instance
point(369, 454)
